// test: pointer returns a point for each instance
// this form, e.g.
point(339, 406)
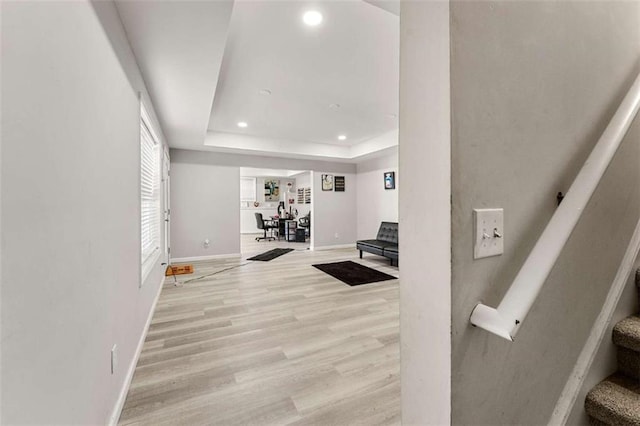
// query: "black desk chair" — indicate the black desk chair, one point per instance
point(305, 222)
point(265, 226)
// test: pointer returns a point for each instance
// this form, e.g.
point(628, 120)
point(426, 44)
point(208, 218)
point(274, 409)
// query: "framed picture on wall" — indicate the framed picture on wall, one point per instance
point(389, 180)
point(327, 182)
point(271, 190)
point(338, 183)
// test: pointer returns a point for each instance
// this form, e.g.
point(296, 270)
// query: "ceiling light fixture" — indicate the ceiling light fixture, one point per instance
point(242, 124)
point(312, 18)
point(265, 92)
point(342, 137)
point(334, 106)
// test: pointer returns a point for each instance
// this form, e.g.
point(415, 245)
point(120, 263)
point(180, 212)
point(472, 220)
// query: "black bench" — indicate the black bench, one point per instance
point(385, 244)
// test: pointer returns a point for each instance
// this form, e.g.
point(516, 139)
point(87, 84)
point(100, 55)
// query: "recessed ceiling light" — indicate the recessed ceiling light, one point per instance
point(265, 92)
point(334, 106)
point(342, 137)
point(312, 18)
point(242, 124)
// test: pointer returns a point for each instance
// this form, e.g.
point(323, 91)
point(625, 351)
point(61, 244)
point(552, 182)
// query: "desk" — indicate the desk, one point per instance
point(290, 227)
point(281, 225)
point(286, 228)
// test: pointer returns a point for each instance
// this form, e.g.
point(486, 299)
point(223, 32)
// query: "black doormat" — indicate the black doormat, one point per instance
point(353, 273)
point(271, 254)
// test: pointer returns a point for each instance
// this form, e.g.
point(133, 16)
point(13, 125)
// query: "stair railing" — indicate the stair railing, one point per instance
point(505, 320)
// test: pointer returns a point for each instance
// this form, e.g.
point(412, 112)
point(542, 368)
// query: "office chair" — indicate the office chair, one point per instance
point(265, 226)
point(305, 222)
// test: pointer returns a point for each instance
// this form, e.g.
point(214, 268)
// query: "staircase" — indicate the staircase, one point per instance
point(616, 400)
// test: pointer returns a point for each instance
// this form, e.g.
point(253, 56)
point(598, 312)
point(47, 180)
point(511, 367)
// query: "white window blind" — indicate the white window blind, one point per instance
point(247, 189)
point(149, 192)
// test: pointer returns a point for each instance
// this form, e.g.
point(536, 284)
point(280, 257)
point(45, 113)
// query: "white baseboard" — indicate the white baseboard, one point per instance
point(569, 395)
point(117, 409)
point(198, 258)
point(338, 246)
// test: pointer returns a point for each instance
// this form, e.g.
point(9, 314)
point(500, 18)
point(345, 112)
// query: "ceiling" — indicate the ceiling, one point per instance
point(392, 6)
point(350, 60)
point(205, 63)
point(255, 172)
point(169, 40)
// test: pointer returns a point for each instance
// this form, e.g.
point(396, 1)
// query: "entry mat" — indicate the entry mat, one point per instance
point(353, 273)
point(271, 254)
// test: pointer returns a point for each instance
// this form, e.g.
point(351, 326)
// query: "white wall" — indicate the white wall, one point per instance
point(261, 162)
point(375, 203)
point(70, 212)
point(534, 84)
point(333, 214)
point(303, 180)
point(1, 234)
point(425, 156)
point(205, 204)
point(248, 223)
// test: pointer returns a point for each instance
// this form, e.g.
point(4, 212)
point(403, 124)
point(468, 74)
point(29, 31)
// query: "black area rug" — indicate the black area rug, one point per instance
point(271, 254)
point(353, 273)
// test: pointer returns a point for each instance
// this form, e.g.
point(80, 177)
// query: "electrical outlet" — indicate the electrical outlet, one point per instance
point(336, 236)
point(206, 243)
point(114, 358)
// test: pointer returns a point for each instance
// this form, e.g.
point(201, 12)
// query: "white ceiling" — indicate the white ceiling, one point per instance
point(179, 46)
point(392, 6)
point(254, 172)
point(351, 59)
point(204, 66)
point(243, 144)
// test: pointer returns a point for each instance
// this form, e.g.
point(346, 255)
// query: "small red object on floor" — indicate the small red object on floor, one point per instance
point(179, 270)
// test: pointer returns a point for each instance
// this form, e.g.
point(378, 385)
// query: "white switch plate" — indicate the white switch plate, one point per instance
point(488, 232)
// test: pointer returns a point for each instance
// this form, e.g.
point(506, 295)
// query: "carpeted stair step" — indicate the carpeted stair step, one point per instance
point(638, 285)
point(629, 362)
point(626, 333)
point(615, 401)
point(596, 422)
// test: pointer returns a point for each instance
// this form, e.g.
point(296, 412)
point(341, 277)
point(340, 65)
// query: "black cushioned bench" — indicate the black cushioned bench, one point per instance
point(385, 244)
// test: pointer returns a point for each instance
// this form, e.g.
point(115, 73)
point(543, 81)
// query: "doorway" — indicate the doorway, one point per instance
point(275, 209)
point(166, 208)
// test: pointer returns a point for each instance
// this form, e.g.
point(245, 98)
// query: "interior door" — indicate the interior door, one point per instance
point(166, 180)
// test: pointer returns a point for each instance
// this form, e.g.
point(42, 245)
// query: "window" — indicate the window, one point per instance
point(149, 195)
point(247, 189)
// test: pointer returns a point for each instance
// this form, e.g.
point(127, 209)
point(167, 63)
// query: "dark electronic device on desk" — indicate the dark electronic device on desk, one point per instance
point(282, 218)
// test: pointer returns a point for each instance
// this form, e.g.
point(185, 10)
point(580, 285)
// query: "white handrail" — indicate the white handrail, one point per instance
point(505, 320)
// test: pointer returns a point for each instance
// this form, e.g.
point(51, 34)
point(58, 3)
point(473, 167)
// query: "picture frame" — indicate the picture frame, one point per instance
point(271, 190)
point(327, 182)
point(389, 180)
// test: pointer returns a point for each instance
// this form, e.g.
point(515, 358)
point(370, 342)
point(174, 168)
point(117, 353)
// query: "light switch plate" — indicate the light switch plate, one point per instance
point(488, 232)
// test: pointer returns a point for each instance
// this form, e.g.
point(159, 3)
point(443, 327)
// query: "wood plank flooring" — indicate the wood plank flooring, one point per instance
point(248, 244)
point(270, 343)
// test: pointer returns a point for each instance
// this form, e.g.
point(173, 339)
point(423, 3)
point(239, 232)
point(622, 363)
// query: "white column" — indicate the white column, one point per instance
point(425, 213)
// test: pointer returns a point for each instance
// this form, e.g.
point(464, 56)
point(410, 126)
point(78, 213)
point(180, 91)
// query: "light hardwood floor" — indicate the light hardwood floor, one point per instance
point(248, 244)
point(270, 343)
